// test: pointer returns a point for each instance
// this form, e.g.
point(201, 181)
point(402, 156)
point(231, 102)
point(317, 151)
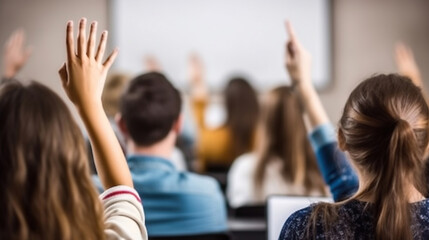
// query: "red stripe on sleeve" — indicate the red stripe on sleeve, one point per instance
point(112, 194)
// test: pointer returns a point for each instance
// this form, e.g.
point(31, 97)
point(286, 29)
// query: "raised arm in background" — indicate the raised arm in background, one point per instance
point(407, 65)
point(15, 54)
point(83, 77)
point(333, 164)
point(199, 92)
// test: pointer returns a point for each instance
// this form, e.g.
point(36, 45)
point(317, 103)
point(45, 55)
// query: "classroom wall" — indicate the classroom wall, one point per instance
point(44, 22)
point(364, 33)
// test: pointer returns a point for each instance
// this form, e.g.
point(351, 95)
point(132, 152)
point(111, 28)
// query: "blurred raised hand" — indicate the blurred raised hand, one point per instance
point(298, 65)
point(151, 64)
point(15, 54)
point(406, 63)
point(196, 77)
point(298, 59)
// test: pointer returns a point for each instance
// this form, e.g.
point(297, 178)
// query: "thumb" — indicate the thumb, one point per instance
point(63, 75)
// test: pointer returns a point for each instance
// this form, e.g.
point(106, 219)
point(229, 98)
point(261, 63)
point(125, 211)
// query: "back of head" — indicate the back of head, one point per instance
point(47, 191)
point(112, 92)
point(384, 128)
point(284, 137)
point(242, 113)
point(150, 106)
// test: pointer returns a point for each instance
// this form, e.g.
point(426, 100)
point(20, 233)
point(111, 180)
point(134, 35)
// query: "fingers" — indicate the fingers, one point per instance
point(290, 31)
point(109, 61)
point(91, 40)
point(63, 74)
point(101, 47)
point(70, 41)
point(81, 38)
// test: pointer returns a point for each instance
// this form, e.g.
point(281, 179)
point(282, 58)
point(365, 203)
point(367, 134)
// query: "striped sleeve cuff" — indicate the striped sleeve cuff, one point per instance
point(322, 135)
point(119, 191)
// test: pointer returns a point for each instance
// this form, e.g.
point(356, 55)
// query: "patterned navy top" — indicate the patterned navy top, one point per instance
point(355, 221)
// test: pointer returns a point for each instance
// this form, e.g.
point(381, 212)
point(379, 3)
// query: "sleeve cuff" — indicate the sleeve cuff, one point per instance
point(119, 191)
point(322, 135)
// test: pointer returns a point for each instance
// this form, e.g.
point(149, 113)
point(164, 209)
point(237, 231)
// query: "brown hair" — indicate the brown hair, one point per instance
point(284, 137)
point(242, 109)
point(112, 92)
point(384, 128)
point(46, 188)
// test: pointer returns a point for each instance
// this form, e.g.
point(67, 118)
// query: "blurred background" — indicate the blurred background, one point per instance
point(362, 35)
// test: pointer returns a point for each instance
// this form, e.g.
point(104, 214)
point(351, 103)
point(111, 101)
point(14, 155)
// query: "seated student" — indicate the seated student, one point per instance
point(284, 162)
point(175, 203)
point(384, 130)
point(47, 191)
point(218, 147)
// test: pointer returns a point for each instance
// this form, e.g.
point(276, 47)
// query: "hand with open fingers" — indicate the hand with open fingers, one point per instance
point(406, 63)
point(15, 54)
point(84, 73)
point(298, 59)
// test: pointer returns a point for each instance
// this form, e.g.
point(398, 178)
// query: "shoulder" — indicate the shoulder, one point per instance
point(296, 225)
point(192, 182)
point(243, 163)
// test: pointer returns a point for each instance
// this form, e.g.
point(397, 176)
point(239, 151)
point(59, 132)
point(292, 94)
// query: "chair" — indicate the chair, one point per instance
point(250, 212)
point(213, 236)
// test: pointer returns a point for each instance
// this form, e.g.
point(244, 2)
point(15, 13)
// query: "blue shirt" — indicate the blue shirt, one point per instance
point(333, 164)
point(177, 203)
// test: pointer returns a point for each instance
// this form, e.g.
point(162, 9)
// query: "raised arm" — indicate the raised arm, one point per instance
point(406, 64)
point(83, 77)
point(199, 93)
point(298, 64)
point(15, 54)
point(333, 164)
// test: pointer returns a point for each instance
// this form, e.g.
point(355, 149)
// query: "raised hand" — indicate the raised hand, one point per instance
point(298, 64)
point(15, 54)
point(84, 74)
point(151, 64)
point(298, 59)
point(83, 78)
point(196, 77)
point(406, 63)
point(196, 69)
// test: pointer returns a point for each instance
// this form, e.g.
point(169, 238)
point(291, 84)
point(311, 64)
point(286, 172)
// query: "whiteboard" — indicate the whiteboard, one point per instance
point(233, 37)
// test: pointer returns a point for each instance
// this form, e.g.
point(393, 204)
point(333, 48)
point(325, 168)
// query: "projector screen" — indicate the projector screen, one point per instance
point(232, 37)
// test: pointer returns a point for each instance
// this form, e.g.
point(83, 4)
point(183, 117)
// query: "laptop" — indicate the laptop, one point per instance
point(280, 207)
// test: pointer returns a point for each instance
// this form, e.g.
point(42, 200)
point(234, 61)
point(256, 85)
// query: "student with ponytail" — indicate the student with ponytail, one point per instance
point(384, 131)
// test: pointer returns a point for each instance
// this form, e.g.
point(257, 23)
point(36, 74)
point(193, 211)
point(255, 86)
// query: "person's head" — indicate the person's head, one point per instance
point(384, 129)
point(150, 109)
point(47, 192)
point(112, 92)
point(242, 109)
point(284, 138)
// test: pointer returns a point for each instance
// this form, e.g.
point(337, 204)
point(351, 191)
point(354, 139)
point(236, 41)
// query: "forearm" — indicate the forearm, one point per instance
point(334, 166)
point(313, 106)
point(109, 159)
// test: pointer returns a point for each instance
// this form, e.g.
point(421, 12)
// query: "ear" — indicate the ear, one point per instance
point(178, 124)
point(121, 125)
point(341, 140)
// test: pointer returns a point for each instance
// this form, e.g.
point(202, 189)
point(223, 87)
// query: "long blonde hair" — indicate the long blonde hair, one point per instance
point(46, 188)
point(284, 137)
point(384, 128)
